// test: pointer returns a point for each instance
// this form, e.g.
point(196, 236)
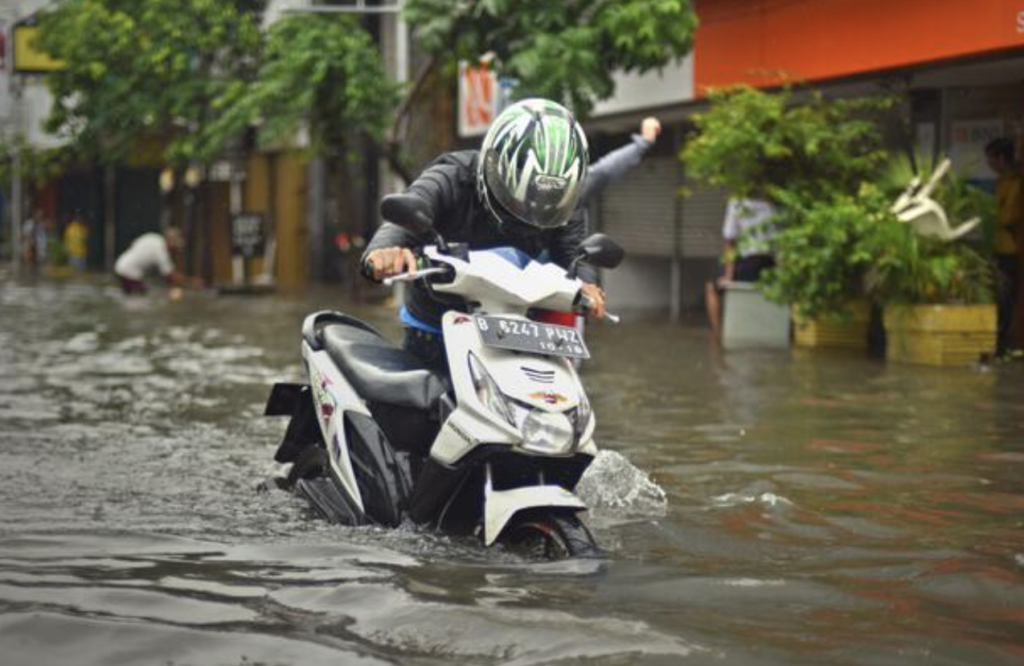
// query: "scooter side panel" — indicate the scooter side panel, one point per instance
point(334, 396)
point(472, 423)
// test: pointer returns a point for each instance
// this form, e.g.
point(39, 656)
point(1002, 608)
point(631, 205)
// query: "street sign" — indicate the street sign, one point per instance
point(247, 234)
point(482, 96)
point(27, 58)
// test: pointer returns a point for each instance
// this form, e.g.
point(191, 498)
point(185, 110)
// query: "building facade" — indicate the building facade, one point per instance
point(958, 66)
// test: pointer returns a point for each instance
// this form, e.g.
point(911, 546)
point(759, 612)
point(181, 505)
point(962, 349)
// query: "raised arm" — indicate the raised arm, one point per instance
point(619, 162)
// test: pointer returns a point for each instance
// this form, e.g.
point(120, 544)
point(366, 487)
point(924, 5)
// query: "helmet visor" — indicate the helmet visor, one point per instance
point(540, 200)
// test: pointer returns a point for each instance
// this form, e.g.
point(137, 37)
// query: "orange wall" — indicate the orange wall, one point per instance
point(766, 42)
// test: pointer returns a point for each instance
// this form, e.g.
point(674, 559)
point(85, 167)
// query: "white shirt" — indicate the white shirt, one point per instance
point(745, 221)
point(148, 254)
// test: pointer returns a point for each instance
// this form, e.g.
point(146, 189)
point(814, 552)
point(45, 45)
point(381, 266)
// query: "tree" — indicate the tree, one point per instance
point(321, 73)
point(137, 70)
point(566, 50)
point(770, 145)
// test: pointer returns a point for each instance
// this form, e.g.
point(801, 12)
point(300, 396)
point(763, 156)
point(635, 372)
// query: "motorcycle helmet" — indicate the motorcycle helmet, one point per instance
point(532, 166)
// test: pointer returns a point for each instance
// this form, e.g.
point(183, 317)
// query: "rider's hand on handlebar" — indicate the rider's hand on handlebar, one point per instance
point(391, 261)
point(595, 296)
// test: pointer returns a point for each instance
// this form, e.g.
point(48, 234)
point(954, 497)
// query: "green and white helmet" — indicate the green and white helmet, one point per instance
point(532, 166)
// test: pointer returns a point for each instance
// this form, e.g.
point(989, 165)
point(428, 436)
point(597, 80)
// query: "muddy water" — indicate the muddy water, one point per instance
point(758, 508)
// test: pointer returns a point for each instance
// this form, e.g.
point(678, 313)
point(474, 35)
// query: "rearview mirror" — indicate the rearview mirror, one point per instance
point(601, 251)
point(409, 212)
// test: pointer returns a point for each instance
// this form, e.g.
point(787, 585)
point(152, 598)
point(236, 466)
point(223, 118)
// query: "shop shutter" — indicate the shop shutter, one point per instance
point(703, 214)
point(639, 211)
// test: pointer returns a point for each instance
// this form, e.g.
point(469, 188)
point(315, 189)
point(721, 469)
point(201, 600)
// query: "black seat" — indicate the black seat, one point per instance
point(381, 371)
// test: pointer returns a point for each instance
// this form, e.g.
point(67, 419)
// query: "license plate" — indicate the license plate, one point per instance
point(532, 337)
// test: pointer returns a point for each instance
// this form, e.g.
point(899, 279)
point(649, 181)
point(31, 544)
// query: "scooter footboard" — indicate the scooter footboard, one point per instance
point(501, 505)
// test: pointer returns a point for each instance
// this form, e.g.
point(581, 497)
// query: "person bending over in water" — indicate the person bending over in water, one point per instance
point(152, 254)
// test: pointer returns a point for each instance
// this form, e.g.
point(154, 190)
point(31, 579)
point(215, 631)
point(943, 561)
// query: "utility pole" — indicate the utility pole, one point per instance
point(12, 123)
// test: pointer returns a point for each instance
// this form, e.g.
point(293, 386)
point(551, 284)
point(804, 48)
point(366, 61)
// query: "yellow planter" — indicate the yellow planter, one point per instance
point(835, 333)
point(940, 334)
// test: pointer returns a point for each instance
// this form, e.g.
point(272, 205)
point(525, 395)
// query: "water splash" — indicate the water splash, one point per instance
point(612, 482)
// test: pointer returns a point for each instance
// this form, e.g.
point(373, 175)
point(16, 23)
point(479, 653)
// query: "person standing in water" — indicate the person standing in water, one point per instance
point(76, 236)
point(1005, 161)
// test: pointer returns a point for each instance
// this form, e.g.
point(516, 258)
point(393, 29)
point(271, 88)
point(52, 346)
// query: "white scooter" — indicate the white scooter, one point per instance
point(494, 449)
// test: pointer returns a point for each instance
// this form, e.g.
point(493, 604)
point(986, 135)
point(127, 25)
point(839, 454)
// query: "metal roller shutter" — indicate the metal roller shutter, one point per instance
point(639, 211)
point(703, 214)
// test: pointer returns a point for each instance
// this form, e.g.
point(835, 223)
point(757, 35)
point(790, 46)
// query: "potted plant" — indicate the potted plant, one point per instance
point(810, 158)
point(821, 263)
point(936, 287)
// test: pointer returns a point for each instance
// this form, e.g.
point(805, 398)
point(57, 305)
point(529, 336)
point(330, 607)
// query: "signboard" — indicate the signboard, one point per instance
point(247, 235)
point(482, 96)
point(967, 146)
point(27, 58)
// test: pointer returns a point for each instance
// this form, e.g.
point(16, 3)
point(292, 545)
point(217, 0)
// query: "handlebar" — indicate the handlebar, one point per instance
point(586, 304)
point(410, 277)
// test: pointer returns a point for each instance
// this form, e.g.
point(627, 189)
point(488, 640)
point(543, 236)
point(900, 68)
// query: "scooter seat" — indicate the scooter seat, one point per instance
point(380, 371)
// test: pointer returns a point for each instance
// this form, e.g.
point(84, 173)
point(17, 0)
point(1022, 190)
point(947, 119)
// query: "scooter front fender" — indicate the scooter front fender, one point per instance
point(501, 505)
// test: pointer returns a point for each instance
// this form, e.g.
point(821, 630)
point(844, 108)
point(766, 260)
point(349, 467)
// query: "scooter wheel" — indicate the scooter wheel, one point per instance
point(550, 535)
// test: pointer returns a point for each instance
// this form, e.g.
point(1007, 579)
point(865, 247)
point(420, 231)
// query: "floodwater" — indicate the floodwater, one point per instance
point(757, 508)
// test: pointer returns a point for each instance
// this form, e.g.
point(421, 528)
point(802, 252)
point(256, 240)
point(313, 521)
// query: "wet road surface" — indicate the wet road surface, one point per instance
point(758, 507)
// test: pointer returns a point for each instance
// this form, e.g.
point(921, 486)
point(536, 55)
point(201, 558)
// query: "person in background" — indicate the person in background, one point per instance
point(149, 254)
point(1009, 235)
point(746, 232)
point(605, 171)
point(29, 252)
point(44, 238)
point(76, 236)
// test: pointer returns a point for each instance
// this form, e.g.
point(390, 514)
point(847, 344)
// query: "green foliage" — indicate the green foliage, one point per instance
point(321, 73)
point(565, 50)
point(146, 69)
point(823, 164)
point(820, 254)
point(763, 145)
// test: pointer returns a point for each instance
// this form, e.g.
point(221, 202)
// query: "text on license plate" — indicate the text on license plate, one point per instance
point(532, 336)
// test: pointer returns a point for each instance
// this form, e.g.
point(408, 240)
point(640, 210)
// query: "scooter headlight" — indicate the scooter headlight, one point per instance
point(548, 432)
point(487, 391)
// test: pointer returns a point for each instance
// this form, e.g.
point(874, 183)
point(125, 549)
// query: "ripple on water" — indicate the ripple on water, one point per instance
point(28, 638)
point(824, 511)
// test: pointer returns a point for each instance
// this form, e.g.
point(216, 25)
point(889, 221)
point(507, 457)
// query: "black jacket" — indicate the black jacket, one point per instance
point(448, 187)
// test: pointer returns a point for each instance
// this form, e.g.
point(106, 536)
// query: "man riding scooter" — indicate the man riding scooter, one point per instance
point(519, 190)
